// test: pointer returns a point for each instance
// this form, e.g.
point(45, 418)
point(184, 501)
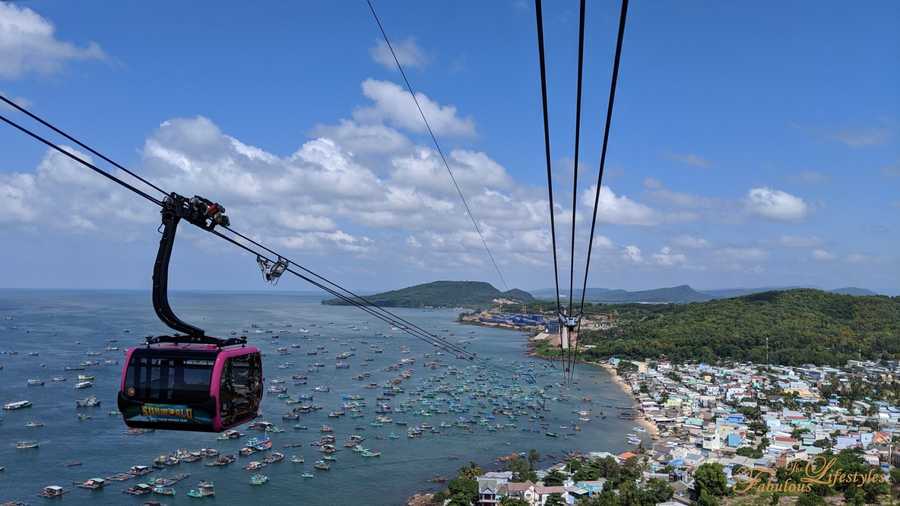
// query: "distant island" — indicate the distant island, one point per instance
point(682, 294)
point(802, 326)
point(469, 294)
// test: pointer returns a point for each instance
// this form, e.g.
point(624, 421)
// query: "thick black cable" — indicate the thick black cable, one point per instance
point(76, 141)
point(434, 340)
point(609, 110)
point(437, 145)
point(540, 36)
point(570, 362)
point(390, 318)
point(364, 300)
point(87, 164)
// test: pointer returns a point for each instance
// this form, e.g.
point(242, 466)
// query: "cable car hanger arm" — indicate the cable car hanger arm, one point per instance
point(197, 211)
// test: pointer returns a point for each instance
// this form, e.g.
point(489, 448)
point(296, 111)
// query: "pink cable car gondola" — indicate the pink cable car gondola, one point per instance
point(192, 381)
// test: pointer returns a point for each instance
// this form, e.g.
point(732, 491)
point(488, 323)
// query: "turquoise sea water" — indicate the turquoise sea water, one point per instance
point(53, 323)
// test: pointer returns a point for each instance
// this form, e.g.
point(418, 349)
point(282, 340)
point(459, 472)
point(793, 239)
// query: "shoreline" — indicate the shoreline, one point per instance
point(642, 420)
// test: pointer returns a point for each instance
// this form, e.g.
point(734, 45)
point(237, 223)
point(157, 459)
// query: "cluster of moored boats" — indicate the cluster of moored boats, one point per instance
point(403, 403)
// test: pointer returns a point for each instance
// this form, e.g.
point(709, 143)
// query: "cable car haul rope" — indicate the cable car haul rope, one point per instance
point(570, 320)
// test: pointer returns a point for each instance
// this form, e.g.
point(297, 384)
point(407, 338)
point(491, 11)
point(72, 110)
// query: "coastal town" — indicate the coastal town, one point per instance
point(770, 433)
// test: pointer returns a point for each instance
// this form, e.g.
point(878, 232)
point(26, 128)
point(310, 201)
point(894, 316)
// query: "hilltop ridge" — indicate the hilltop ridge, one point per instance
point(443, 294)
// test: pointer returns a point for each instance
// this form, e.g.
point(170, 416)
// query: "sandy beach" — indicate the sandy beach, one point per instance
point(643, 421)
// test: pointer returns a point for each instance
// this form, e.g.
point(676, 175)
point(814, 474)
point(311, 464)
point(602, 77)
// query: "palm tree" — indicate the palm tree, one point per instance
point(533, 457)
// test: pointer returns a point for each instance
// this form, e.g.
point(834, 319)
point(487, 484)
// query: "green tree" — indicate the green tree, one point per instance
point(514, 501)
point(533, 457)
point(555, 500)
point(521, 471)
point(709, 480)
point(656, 491)
point(470, 471)
point(750, 452)
point(810, 500)
point(554, 478)
point(707, 499)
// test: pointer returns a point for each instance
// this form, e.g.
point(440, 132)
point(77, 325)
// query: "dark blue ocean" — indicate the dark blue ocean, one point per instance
point(62, 327)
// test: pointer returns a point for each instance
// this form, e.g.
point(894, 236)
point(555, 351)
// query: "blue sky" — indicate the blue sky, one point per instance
point(752, 144)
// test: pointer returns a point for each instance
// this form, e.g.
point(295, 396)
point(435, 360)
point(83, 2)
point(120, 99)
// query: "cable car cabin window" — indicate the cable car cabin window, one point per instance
point(240, 388)
point(179, 380)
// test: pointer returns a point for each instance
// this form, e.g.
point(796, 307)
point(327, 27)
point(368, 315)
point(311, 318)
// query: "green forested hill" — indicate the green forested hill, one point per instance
point(803, 326)
point(443, 294)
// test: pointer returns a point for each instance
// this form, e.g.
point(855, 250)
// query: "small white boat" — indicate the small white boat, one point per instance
point(35, 382)
point(10, 406)
point(83, 384)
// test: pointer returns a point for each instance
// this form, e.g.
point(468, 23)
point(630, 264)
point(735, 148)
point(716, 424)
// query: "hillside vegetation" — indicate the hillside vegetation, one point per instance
point(803, 326)
point(443, 294)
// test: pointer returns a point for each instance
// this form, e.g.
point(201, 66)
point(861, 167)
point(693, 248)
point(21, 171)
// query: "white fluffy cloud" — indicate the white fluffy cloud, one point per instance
point(62, 194)
point(668, 258)
point(822, 255)
point(364, 139)
point(690, 242)
point(619, 210)
point(776, 204)
point(28, 44)
point(632, 254)
point(408, 52)
point(394, 105)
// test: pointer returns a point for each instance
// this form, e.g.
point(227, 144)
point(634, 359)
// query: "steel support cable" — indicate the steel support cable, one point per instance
point(159, 203)
point(333, 292)
point(140, 178)
point(571, 362)
point(350, 293)
point(78, 159)
point(76, 141)
point(609, 110)
point(540, 36)
point(437, 145)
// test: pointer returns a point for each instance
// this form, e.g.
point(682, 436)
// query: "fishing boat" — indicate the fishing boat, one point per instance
point(229, 434)
point(260, 425)
point(81, 385)
point(296, 459)
point(223, 460)
point(26, 445)
point(369, 453)
point(322, 465)
point(160, 490)
point(307, 475)
point(551, 434)
point(258, 479)
point(168, 482)
point(87, 402)
point(57, 379)
point(274, 458)
point(254, 465)
point(204, 489)
point(85, 377)
point(35, 382)
point(34, 425)
point(92, 484)
point(140, 470)
point(139, 489)
point(326, 429)
point(52, 492)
